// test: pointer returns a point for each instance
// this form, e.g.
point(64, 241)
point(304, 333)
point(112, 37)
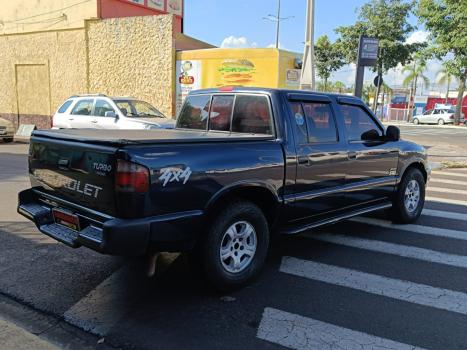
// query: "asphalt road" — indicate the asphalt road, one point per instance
point(363, 283)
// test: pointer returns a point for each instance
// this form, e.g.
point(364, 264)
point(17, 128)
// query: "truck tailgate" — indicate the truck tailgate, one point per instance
point(81, 173)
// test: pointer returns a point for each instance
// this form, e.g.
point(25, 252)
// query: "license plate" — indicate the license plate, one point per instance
point(66, 219)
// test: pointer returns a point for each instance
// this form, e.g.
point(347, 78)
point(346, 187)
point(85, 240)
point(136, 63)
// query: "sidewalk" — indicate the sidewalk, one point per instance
point(13, 337)
point(402, 123)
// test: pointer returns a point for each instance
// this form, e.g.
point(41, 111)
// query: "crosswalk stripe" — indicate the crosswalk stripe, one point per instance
point(392, 248)
point(444, 214)
point(447, 181)
point(298, 332)
point(416, 293)
point(446, 190)
point(425, 230)
point(446, 200)
point(448, 173)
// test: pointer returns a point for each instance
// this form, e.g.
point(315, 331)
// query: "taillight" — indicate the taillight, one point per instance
point(451, 116)
point(131, 177)
point(51, 122)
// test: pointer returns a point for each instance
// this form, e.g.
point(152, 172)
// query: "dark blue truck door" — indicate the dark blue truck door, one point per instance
point(372, 166)
point(321, 157)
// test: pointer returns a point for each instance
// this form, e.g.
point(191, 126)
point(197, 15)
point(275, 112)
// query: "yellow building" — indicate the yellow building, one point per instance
point(50, 50)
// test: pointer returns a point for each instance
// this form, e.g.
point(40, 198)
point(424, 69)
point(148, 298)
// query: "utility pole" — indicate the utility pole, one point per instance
point(307, 79)
point(277, 18)
point(278, 22)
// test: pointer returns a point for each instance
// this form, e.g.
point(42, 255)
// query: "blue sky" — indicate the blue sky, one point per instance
point(240, 23)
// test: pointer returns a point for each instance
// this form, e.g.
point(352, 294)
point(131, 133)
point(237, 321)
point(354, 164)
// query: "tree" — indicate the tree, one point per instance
point(328, 59)
point(339, 87)
point(444, 77)
point(414, 73)
point(447, 22)
point(387, 21)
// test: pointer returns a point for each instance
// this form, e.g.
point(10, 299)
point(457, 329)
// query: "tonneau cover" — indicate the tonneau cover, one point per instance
point(158, 136)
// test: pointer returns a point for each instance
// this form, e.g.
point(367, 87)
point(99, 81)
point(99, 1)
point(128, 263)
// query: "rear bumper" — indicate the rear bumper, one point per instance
point(110, 235)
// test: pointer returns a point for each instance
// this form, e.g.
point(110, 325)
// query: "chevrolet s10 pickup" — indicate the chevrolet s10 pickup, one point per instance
point(241, 164)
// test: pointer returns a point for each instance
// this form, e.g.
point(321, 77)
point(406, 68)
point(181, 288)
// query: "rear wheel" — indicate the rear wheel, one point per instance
point(440, 121)
point(235, 247)
point(416, 121)
point(410, 197)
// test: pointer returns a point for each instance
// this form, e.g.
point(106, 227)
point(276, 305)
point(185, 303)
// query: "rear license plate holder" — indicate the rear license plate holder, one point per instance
point(65, 218)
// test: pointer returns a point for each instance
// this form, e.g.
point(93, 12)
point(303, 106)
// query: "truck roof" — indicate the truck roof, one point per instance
point(230, 89)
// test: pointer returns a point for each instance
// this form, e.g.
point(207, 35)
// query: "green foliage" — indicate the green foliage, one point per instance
point(386, 20)
point(447, 22)
point(328, 59)
point(415, 71)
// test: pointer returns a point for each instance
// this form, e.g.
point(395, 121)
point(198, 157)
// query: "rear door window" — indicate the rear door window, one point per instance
point(221, 112)
point(83, 107)
point(320, 122)
point(195, 112)
point(252, 115)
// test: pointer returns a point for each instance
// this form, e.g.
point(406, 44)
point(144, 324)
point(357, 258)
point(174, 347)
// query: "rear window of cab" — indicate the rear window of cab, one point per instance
point(236, 113)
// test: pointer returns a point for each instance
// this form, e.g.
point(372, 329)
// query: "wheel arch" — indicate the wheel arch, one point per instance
point(260, 194)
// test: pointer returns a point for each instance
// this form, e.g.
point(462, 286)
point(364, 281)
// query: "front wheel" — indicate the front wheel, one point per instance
point(410, 197)
point(8, 140)
point(235, 247)
point(416, 121)
point(440, 121)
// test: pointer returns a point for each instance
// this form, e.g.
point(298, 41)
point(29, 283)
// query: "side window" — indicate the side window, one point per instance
point(101, 107)
point(252, 115)
point(65, 106)
point(221, 111)
point(83, 107)
point(320, 122)
point(358, 121)
point(195, 111)
point(299, 123)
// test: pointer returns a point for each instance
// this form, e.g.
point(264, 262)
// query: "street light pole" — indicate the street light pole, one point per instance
point(278, 22)
point(307, 78)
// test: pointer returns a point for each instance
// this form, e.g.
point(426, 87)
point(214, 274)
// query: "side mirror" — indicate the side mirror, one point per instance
point(110, 114)
point(371, 135)
point(393, 133)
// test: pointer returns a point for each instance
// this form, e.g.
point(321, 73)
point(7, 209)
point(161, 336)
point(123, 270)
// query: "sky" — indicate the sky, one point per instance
point(240, 23)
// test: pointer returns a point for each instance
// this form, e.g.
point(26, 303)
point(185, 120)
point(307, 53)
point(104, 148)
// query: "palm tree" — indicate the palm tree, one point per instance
point(415, 72)
point(339, 87)
point(444, 77)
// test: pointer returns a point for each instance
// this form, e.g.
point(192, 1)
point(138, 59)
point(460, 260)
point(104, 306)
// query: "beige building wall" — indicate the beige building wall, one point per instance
point(133, 56)
point(39, 71)
point(39, 15)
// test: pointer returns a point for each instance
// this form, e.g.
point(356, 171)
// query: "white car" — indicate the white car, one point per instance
point(7, 130)
point(103, 112)
point(438, 116)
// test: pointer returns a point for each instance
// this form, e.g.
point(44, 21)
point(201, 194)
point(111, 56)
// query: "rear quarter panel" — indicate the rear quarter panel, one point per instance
point(209, 169)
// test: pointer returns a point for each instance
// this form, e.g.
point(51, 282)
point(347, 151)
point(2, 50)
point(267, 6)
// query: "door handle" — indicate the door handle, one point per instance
point(352, 155)
point(71, 118)
point(303, 160)
point(94, 121)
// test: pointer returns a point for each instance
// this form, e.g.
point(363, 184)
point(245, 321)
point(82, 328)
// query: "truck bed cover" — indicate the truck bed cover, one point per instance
point(155, 136)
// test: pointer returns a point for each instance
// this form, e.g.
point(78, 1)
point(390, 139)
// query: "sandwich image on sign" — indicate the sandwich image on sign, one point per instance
point(237, 71)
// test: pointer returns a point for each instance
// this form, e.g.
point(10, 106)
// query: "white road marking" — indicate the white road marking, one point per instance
point(447, 181)
point(392, 248)
point(445, 200)
point(421, 294)
point(298, 332)
point(445, 190)
point(447, 173)
point(425, 230)
point(445, 214)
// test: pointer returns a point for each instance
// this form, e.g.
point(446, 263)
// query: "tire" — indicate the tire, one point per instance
point(239, 217)
point(416, 121)
point(404, 210)
point(440, 121)
point(8, 140)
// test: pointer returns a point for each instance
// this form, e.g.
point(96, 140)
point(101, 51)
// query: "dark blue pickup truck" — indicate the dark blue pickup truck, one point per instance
point(242, 163)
